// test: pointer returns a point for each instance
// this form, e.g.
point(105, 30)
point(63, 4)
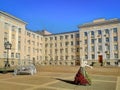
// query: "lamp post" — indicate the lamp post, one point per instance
point(7, 46)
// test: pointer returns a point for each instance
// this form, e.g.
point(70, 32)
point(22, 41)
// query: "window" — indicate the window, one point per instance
point(99, 40)
point(66, 36)
point(61, 57)
point(85, 33)
point(115, 47)
point(86, 41)
point(28, 34)
point(66, 57)
point(55, 38)
point(61, 44)
point(93, 56)
point(71, 35)
point(66, 50)
point(37, 37)
point(46, 58)
point(71, 43)
point(51, 38)
point(12, 55)
point(72, 49)
point(107, 31)
point(107, 47)
point(61, 50)
point(77, 35)
point(92, 33)
point(66, 43)
point(115, 39)
point(33, 50)
point(86, 56)
point(115, 55)
point(92, 48)
point(51, 44)
point(13, 28)
point(77, 42)
point(61, 37)
point(18, 55)
point(100, 47)
point(5, 54)
point(99, 32)
point(29, 49)
point(6, 26)
point(92, 41)
point(72, 57)
point(19, 45)
point(28, 41)
point(33, 35)
point(56, 51)
point(13, 36)
point(115, 30)
point(107, 39)
point(19, 30)
point(5, 34)
point(19, 38)
point(46, 39)
point(86, 49)
point(77, 57)
point(77, 50)
point(107, 56)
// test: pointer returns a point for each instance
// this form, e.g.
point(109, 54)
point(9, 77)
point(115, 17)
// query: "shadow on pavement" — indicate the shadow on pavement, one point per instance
point(67, 81)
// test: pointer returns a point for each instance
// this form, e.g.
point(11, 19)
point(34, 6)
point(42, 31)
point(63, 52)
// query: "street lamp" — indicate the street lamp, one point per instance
point(7, 46)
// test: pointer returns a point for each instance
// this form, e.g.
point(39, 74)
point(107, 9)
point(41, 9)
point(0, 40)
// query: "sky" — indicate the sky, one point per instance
point(58, 16)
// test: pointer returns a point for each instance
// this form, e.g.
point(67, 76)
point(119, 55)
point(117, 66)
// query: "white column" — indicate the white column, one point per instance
point(111, 45)
point(89, 46)
point(16, 41)
point(10, 39)
point(96, 46)
point(103, 44)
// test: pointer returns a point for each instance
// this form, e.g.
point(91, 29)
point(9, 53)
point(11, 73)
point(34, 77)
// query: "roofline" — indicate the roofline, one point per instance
point(116, 20)
point(11, 16)
point(62, 33)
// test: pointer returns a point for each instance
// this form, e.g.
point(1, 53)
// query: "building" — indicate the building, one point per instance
point(101, 40)
point(26, 45)
point(93, 41)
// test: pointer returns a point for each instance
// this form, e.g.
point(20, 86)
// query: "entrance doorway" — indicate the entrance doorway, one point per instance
point(100, 58)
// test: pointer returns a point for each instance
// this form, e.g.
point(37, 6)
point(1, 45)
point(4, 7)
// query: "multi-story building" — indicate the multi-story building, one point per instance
point(62, 48)
point(92, 42)
point(26, 45)
point(101, 40)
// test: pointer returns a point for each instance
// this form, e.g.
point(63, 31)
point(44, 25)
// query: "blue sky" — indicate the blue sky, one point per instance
point(60, 15)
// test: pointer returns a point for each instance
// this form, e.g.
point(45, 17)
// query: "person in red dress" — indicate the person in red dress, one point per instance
point(82, 77)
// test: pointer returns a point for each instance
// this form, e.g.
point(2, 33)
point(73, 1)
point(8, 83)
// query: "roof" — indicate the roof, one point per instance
point(104, 22)
point(62, 33)
point(11, 16)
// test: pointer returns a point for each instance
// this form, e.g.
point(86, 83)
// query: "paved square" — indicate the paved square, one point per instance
point(56, 80)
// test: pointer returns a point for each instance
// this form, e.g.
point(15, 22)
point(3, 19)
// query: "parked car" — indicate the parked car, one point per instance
point(28, 69)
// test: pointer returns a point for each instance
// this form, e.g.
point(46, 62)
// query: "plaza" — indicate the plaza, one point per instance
point(61, 78)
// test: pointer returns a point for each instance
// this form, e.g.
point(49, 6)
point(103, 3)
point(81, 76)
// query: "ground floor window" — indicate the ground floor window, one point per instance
point(93, 56)
point(115, 55)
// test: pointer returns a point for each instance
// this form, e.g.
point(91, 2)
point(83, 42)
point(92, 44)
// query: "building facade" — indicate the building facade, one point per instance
point(92, 42)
